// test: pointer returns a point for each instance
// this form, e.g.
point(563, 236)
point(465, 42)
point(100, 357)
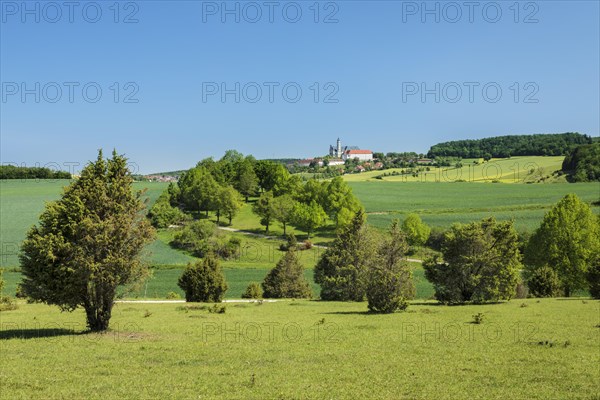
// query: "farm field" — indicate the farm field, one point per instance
point(504, 170)
point(22, 202)
point(524, 349)
point(442, 204)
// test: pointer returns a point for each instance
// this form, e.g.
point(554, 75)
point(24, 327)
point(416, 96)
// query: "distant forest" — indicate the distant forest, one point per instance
point(583, 163)
point(558, 144)
point(12, 172)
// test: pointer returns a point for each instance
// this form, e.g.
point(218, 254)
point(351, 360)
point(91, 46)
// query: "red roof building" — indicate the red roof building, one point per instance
point(362, 155)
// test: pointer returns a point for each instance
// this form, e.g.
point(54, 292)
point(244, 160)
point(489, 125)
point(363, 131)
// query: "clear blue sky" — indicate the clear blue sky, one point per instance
point(373, 56)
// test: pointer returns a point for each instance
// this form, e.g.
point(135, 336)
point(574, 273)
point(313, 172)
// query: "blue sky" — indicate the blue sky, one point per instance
point(370, 66)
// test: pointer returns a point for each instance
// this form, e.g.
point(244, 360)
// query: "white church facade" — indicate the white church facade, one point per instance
point(349, 153)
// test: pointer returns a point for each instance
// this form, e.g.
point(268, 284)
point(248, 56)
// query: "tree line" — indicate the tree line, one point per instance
point(222, 186)
point(582, 164)
point(14, 172)
point(513, 145)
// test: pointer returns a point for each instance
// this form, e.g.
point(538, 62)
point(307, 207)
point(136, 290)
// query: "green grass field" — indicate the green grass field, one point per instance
point(524, 349)
point(22, 202)
point(442, 204)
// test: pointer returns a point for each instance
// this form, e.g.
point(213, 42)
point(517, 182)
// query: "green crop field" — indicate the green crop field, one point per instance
point(22, 202)
point(524, 349)
point(505, 170)
point(442, 204)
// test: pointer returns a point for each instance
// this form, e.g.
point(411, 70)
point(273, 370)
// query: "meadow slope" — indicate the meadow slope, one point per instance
point(525, 349)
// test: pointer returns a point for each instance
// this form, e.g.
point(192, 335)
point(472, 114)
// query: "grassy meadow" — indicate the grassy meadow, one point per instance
point(524, 349)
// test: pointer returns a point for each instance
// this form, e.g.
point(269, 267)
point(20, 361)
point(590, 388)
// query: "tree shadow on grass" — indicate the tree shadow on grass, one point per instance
point(437, 304)
point(36, 333)
point(573, 298)
point(366, 312)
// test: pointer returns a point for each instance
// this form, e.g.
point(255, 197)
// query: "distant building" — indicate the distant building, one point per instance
point(347, 153)
point(161, 178)
point(362, 155)
point(337, 151)
point(336, 161)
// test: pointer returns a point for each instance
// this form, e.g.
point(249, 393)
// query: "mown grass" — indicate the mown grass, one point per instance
point(524, 349)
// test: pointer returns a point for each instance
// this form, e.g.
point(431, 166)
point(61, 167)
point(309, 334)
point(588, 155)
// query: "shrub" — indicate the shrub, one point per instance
point(162, 214)
point(203, 281)
point(287, 280)
point(253, 291)
point(390, 278)
point(343, 268)
point(217, 309)
point(481, 263)
point(307, 245)
point(173, 296)
point(225, 248)
point(193, 237)
point(7, 304)
point(543, 282)
point(202, 237)
point(478, 318)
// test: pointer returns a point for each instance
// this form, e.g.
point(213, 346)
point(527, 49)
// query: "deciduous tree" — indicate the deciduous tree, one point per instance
point(340, 202)
point(264, 209)
point(199, 189)
point(229, 202)
point(568, 240)
point(416, 231)
point(246, 181)
point(283, 207)
point(308, 217)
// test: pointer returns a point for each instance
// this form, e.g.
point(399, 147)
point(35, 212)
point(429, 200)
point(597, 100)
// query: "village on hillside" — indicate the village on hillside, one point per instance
point(343, 159)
